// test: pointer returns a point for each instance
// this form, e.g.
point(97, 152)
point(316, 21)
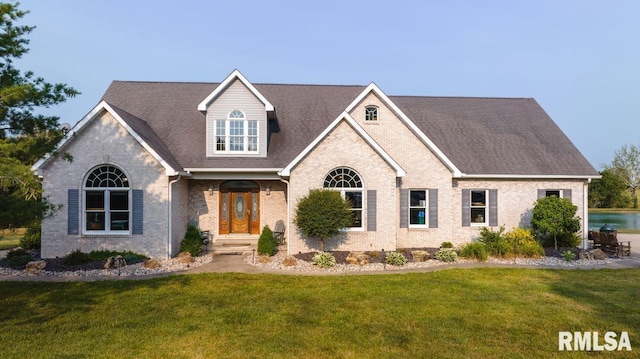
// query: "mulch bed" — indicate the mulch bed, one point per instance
point(57, 265)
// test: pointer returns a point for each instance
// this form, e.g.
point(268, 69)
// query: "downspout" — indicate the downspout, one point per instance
point(288, 213)
point(170, 214)
point(585, 215)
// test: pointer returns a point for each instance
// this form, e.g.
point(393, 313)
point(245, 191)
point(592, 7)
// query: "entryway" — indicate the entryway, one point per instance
point(239, 208)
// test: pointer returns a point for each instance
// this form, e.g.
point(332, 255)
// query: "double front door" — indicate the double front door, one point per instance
point(239, 212)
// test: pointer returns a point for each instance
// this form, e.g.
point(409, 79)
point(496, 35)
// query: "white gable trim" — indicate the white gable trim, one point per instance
point(170, 171)
point(286, 172)
point(202, 106)
point(421, 135)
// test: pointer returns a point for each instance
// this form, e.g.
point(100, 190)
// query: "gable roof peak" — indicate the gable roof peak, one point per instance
point(234, 75)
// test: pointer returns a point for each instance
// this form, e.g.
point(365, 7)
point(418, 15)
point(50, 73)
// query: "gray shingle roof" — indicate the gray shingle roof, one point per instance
point(479, 135)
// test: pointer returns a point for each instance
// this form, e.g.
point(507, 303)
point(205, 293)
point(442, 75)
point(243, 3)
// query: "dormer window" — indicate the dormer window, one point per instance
point(236, 134)
point(371, 114)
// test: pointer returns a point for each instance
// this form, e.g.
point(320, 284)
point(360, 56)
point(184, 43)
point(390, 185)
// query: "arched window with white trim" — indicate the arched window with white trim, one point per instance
point(106, 201)
point(349, 183)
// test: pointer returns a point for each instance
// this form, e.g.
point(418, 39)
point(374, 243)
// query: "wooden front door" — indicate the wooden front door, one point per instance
point(239, 212)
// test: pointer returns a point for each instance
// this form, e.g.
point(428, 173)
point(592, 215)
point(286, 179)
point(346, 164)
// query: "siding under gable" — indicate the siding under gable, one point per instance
point(236, 97)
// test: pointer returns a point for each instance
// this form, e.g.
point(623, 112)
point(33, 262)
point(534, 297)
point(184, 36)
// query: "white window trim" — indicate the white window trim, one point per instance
point(227, 135)
point(486, 208)
point(366, 111)
point(362, 210)
point(426, 208)
point(107, 210)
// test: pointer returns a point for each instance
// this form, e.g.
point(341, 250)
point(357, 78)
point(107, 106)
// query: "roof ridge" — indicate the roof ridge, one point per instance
point(466, 97)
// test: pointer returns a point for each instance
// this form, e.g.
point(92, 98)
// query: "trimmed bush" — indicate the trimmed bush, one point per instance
point(446, 245)
point(192, 243)
point(446, 255)
point(31, 238)
point(16, 252)
point(76, 257)
point(395, 259)
point(324, 260)
point(19, 262)
point(475, 250)
point(322, 214)
point(266, 242)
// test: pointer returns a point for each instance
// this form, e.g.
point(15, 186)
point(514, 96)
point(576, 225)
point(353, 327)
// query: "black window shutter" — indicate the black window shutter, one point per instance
point(433, 208)
point(73, 213)
point(371, 210)
point(493, 207)
point(542, 193)
point(567, 194)
point(137, 211)
point(404, 208)
point(466, 207)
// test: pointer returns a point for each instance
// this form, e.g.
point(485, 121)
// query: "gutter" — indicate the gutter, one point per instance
point(170, 211)
point(286, 182)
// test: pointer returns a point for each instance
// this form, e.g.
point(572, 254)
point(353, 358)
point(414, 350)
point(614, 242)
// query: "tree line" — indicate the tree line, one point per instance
point(618, 187)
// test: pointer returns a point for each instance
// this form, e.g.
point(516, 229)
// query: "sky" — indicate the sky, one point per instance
point(579, 59)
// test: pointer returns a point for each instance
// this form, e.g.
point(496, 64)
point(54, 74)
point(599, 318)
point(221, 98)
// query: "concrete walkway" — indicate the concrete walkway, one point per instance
point(228, 263)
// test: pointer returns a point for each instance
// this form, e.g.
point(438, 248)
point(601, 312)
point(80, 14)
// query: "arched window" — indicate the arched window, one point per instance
point(236, 134)
point(371, 113)
point(349, 183)
point(107, 207)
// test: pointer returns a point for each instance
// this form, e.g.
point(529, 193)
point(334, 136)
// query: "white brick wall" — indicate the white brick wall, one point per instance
point(104, 141)
point(343, 147)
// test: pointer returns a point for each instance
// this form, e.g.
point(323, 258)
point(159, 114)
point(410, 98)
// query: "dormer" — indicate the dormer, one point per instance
point(236, 119)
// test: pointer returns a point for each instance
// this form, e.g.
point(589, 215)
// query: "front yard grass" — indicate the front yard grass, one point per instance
point(10, 238)
point(457, 313)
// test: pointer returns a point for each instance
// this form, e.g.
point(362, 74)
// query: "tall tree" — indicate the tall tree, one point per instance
point(610, 191)
point(626, 165)
point(24, 135)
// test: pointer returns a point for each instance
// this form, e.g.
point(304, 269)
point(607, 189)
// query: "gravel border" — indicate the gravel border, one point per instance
point(278, 262)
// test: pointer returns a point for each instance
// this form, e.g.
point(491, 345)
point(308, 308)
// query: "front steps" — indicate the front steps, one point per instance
point(234, 244)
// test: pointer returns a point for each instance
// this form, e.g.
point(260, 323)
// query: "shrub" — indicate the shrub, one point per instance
point(17, 252)
point(568, 256)
point(76, 257)
point(555, 218)
point(322, 214)
point(494, 240)
point(266, 242)
point(474, 251)
point(395, 259)
point(324, 260)
point(446, 245)
point(192, 243)
point(521, 242)
point(18, 262)
point(446, 255)
point(31, 238)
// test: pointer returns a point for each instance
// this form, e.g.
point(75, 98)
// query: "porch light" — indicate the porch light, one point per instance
point(210, 190)
point(268, 190)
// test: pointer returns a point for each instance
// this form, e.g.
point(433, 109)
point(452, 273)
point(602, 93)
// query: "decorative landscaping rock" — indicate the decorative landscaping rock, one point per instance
point(36, 266)
point(420, 256)
point(115, 262)
point(360, 258)
point(151, 263)
point(185, 258)
point(598, 254)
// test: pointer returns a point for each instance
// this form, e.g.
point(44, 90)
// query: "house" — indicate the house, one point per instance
point(235, 156)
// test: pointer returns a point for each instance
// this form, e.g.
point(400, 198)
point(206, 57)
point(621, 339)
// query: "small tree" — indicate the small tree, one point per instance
point(192, 241)
point(555, 217)
point(266, 242)
point(321, 214)
point(626, 165)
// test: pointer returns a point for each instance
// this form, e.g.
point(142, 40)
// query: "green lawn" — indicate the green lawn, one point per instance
point(456, 313)
point(10, 239)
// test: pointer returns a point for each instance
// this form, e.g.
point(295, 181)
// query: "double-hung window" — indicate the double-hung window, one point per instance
point(418, 200)
point(479, 207)
point(107, 204)
point(236, 134)
point(348, 182)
